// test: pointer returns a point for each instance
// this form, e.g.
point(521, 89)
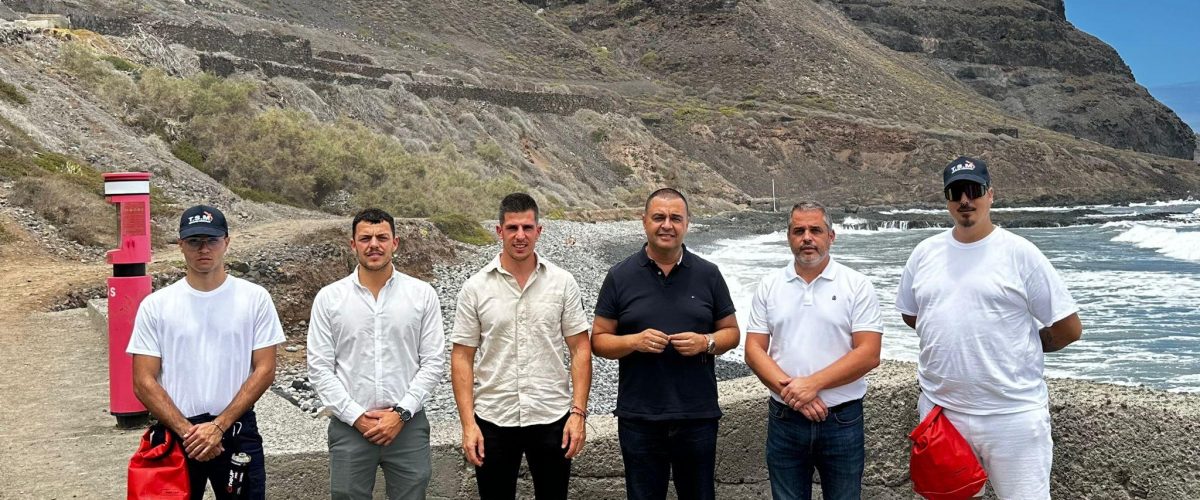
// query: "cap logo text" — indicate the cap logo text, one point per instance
point(204, 217)
point(966, 165)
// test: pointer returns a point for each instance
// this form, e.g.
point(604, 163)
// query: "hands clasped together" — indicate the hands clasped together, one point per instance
point(800, 393)
point(654, 341)
point(380, 427)
point(202, 442)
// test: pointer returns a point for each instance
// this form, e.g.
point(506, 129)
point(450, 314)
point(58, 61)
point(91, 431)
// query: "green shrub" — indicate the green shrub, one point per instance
point(187, 152)
point(120, 64)
point(10, 93)
point(598, 135)
point(14, 165)
point(81, 215)
point(5, 235)
point(459, 227)
point(650, 59)
point(489, 151)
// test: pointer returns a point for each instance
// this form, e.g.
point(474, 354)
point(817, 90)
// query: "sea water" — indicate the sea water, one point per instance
point(1137, 284)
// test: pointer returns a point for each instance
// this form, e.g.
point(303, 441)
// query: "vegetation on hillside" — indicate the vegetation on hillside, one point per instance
point(285, 155)
point(12, 94)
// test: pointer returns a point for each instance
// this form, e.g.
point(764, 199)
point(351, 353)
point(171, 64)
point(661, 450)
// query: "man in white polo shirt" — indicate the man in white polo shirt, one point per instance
point(518, 313)
point(814, 333)
point(203, 353)
point(986, 305)
point(376, 351)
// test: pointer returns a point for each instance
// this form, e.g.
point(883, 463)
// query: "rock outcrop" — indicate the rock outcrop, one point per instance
point(1027, 57)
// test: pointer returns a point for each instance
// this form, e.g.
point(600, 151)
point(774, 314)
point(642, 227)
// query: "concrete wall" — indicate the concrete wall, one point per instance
point(1112, 442)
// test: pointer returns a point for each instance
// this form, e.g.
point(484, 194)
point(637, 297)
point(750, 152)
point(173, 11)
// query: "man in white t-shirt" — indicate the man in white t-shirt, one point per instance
point(203, 353)
point(376, 351)
point(986, 305)
point(814, 333)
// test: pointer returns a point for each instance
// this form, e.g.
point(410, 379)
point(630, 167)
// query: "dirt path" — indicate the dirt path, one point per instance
point(57, 439)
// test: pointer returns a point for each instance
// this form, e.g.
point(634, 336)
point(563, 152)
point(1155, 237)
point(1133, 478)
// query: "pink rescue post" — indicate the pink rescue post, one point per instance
point(129, 284)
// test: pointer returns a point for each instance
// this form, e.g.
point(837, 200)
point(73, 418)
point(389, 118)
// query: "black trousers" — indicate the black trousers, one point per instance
point(542, 447)
point(243, 437)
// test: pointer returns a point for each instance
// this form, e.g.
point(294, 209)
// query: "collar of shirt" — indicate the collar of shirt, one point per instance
point(829, 273)
point(685, 257)
point(495, 267)
point(358, 281)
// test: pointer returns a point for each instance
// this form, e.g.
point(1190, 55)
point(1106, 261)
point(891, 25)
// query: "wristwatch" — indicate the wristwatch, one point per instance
point(712, 344)
point(405, 415)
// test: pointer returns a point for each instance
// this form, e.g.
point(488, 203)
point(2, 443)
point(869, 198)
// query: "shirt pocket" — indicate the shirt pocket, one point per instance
point(547, 316)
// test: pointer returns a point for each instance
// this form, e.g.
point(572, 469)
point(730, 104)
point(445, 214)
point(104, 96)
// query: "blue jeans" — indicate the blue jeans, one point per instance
point(835, 448)
point(654, 450)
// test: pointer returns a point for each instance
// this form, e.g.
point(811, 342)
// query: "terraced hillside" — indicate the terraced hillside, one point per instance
point(430, 108)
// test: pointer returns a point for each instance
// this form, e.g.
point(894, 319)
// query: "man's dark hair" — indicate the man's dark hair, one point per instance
point(372, 216)
point(516, 203)
point(668, 194)
point(805, 206)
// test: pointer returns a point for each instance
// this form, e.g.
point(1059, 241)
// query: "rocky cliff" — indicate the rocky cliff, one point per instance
point(1027, 57)
point(427, 107)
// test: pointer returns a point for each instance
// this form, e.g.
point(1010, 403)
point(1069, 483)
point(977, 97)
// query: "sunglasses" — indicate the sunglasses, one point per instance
point(198, 243)
point(973, 190)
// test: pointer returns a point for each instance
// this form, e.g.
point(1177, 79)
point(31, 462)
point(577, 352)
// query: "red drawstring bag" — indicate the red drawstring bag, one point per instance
point(942, 465)
point(158, 472)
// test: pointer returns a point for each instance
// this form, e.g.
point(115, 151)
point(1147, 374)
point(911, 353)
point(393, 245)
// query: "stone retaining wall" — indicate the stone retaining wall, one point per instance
point(1111, 442)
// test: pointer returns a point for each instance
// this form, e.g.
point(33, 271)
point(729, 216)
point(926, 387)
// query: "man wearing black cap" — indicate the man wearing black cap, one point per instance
point(203, 353)
point(986, 305)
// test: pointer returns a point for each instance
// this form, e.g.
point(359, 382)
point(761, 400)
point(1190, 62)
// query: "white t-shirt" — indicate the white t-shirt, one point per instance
point(810, 324)
point(979, 307)
point(205, 340)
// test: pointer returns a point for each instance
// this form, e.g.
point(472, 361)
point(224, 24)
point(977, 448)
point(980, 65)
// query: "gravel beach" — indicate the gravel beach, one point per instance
point(587, 250)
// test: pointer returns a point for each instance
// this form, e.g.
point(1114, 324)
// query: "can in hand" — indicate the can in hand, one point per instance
point(239, 463)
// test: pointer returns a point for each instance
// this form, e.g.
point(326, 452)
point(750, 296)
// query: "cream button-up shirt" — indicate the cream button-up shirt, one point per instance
point(521, 375)
point(368, 353)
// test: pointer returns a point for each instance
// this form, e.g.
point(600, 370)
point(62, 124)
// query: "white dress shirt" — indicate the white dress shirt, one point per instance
point(521, 376)
point(367, 353)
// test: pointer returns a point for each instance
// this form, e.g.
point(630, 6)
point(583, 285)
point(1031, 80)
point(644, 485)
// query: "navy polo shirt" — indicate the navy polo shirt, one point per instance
point(668, 385)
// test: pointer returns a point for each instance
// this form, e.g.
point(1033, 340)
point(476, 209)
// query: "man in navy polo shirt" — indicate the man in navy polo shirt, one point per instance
point(665, 314)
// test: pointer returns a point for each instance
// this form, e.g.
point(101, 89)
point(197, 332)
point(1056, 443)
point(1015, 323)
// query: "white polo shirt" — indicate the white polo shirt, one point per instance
point(811, 324)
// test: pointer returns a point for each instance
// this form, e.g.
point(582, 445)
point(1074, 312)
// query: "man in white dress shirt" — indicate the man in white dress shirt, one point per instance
point(814, 333)
point(376, 351)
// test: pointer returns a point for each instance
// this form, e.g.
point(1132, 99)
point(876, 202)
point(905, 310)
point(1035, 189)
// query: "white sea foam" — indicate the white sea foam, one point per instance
point(1169, 241)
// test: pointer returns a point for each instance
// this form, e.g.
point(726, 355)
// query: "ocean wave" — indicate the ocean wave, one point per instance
point(1169, 241)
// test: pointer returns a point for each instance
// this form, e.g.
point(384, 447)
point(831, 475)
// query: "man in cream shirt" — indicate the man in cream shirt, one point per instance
point(376, 351)
point(508, 367)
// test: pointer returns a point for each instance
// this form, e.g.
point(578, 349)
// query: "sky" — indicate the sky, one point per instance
point(1158, 39)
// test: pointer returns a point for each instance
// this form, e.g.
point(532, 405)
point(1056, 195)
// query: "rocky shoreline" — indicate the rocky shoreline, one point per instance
point(588, 249)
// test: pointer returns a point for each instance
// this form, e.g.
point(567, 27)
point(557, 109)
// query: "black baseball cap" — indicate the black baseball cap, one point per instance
point(202, 220)
point(965, 168)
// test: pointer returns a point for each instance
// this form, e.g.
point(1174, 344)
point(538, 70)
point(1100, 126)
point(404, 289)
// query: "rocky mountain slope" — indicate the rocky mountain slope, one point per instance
point(1024, 55)
point(436, 107)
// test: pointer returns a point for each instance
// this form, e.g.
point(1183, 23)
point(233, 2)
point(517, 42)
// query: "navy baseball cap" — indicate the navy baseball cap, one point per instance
point(202, 220)
point(965, 168)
